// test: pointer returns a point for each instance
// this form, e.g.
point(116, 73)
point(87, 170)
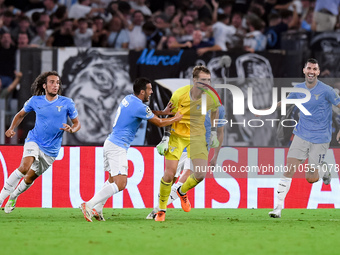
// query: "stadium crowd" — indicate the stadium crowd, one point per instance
point(203, 25)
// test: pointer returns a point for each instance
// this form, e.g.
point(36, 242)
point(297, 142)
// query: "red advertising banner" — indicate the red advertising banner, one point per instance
point(245, 178)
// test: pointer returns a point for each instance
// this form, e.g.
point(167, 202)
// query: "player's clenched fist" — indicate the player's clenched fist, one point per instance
point(163, 146)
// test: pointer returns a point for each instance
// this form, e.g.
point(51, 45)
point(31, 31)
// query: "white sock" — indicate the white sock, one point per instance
point(282, 190)
point(10, 184)
point(22, 187)
point(105, 193)
point(173, 194)
point(99, 207)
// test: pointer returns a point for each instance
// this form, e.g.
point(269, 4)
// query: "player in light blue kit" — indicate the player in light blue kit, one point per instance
point(312, 134)
point(129, 115)
point(44, 140)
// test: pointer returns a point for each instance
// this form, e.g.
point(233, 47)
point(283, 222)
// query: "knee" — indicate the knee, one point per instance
point(311, 180)
point(168, 176)
point(199, 176)
point(121, 185)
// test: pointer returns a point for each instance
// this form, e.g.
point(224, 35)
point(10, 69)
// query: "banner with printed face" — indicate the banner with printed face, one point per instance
point(244, 178)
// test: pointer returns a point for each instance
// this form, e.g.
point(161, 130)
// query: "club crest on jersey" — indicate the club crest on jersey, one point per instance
point(317, 96)
point(29, 151)
point(198, 106)
point(172, 148)
point(59, 108)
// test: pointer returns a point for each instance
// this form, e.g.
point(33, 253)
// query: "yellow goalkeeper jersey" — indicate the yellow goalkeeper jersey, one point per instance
point(192, 123)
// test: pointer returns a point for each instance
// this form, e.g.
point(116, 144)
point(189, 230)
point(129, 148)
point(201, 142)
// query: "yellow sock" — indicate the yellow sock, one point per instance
point(164, 192)
point(189, 184)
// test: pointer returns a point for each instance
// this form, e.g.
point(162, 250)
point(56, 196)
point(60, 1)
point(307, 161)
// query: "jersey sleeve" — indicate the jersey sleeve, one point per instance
point(29, 105)
point(333, 97)
point(71, 110)
point(144, 112)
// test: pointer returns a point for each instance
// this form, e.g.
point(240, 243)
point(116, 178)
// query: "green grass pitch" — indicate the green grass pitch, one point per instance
point(202, 231)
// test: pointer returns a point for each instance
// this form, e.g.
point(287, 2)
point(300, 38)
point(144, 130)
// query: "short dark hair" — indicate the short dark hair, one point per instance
point(312, 61)
point(140, 84)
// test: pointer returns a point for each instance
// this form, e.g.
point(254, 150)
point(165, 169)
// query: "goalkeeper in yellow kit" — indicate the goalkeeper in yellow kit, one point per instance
point(188, 133)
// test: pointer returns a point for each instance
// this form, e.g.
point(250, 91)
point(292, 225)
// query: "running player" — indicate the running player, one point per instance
point(188, 133)
point(43, 142)
point(184, 168)
point(129, 115)
point(312, 134)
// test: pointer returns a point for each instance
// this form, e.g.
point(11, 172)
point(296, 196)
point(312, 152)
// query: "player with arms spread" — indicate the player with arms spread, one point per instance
point(43, 142)
point(313, 133)
point(129, 115)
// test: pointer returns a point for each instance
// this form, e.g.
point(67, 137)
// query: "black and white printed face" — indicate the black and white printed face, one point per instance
point(97, 91)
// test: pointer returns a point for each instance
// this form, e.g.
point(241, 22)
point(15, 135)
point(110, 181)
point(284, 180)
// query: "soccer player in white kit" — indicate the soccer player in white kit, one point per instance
point(129, 115)
point(313, 133)
point(43, 142)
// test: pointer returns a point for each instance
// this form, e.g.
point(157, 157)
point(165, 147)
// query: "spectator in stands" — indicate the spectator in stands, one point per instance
point(169, 10)
point(140, 6)
point(44, 17)
point(100, 33)
point(153, 35)
point(5, 92)
point(254, 40)
point(277, 25)
point(82, 9)
point(50, 7)
point(203, 9)
point(136, 34)
point(8, 22)
point(222, 33)
point(62, 37)
point(23, 27)
point(7, 59)
point(161, 22)
point(83, 34)
point(118, 37)
point(192, 12)
point(307, 20)
point(23, 42)
point(42, 34)
point(188, 29)
point(168, 43)
point(325, 16)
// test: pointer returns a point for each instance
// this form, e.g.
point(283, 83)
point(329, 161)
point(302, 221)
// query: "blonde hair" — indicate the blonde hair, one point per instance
point(198, 69)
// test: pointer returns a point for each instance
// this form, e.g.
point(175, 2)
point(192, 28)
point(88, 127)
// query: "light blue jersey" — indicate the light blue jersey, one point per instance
point(129, 115)
point(317, 127)
point(50, 116)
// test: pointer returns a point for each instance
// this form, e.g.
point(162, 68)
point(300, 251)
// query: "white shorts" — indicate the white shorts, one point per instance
point(115, 159)
point(183, 164)
point(41, 161)
point(302, 149)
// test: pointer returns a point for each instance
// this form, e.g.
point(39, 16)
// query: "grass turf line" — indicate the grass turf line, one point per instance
point(201, 231)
